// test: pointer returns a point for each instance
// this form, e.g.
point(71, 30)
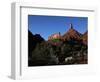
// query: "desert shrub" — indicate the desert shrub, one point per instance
point(44, 54)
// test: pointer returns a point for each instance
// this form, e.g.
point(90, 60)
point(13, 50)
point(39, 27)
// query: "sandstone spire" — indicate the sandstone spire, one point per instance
point(71, 26)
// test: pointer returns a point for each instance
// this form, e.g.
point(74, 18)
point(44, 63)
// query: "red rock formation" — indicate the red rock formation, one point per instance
point(72, 34)
point(55, 36)
point(85, 38)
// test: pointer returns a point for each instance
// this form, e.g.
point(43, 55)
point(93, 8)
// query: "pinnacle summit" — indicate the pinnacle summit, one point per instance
point(71, 26)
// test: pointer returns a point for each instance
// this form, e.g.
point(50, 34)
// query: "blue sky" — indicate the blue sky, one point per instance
point(47, 25)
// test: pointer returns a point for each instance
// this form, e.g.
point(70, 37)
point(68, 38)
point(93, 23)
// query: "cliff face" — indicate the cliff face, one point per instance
point(33, 40)
point(72, 34)
point(55, 36)
point(85, 38)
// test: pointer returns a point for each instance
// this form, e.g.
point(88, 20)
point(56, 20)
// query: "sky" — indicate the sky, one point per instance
point(48, 25)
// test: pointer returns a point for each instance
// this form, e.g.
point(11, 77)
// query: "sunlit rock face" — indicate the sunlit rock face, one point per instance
point(55, 36)
point(72, 34)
